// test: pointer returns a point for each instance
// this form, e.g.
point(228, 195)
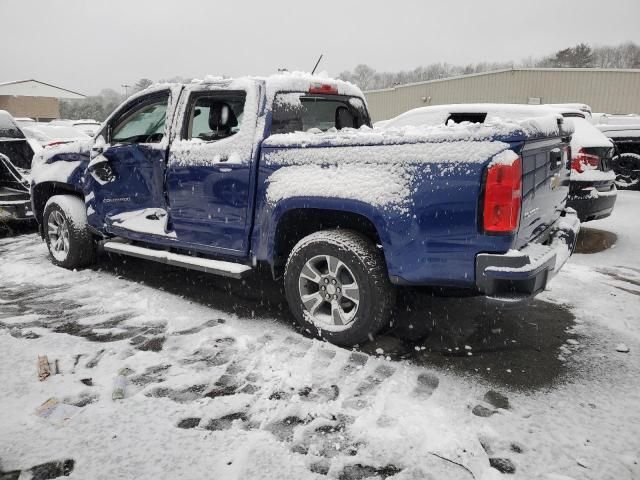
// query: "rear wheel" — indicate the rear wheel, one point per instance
point(627, 168)
point(66, 232)
point(338, 288)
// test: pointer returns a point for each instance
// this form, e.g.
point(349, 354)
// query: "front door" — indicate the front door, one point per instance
point(126, 171)
point(209, 171)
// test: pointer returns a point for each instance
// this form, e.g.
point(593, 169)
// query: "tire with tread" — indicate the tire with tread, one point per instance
point(81, 244)
point(623, 165)
point(366, 262)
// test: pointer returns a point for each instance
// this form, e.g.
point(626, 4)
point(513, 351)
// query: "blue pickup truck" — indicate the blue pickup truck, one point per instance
point(220, 175)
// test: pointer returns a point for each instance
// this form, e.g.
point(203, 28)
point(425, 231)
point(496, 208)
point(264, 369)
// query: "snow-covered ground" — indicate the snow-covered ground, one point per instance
point(221, 385)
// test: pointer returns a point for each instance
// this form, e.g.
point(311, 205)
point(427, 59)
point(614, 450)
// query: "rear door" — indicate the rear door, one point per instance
point(211, 160)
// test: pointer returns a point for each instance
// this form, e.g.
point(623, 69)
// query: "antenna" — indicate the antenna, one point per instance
point(317, 63)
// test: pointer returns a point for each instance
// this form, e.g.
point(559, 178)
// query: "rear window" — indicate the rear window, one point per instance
point(8, 128)
point(299, 112)
point(467, 117)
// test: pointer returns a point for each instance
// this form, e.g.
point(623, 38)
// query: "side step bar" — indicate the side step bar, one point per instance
point(217, 267)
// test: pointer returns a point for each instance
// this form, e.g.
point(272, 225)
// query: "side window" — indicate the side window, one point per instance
point(294, 112)
point(143, 124)
point(214, 116)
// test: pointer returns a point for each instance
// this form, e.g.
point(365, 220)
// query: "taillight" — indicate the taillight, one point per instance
point(503, 197)
point(585, 161)
point(323, 88)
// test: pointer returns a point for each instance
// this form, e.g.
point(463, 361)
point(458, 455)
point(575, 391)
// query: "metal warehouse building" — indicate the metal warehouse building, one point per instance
point(35, 99)
point(605, 90)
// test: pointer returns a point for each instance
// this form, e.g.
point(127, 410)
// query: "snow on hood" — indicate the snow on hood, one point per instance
point(45, 168)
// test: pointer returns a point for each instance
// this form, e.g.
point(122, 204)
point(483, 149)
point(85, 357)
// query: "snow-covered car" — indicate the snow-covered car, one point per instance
point(592, 190)
point(582, 107)
point(48, 135)
point(16, 153)
point(87, 126)
point(624, 131)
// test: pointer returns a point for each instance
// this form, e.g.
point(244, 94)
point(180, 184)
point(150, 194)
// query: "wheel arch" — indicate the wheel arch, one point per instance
point(292, 224)
point(42, 192)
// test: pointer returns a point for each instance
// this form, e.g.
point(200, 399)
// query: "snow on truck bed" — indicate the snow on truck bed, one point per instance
point(462, 132)
point(381, 170)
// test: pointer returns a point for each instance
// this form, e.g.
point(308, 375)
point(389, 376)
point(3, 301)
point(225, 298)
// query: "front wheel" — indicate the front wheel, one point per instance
point(66, 232)
point(337, 286)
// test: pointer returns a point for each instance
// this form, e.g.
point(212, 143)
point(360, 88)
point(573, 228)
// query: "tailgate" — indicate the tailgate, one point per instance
point(545, 186)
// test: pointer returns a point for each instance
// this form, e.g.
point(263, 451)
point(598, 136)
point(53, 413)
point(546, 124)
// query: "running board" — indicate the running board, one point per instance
point(217, 267)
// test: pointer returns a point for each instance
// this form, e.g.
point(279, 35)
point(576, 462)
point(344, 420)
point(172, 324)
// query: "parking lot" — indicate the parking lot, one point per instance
point(219, 379)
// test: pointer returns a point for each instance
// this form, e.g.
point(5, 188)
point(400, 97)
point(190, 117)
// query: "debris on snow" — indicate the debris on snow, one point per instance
point(44, 370)
point(481, 411)
point(621, 347)
point(503, 465)
point(56, 412)
point(120, 384)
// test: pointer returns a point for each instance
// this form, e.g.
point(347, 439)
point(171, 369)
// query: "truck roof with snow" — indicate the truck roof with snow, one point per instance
point(221, 175)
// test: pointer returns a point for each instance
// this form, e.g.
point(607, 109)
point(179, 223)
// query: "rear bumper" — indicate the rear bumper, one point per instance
point(592, 202)
point(525, 273)
point(16, 210)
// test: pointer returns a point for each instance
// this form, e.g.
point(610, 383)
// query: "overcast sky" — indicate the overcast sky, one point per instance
point(87, 45)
